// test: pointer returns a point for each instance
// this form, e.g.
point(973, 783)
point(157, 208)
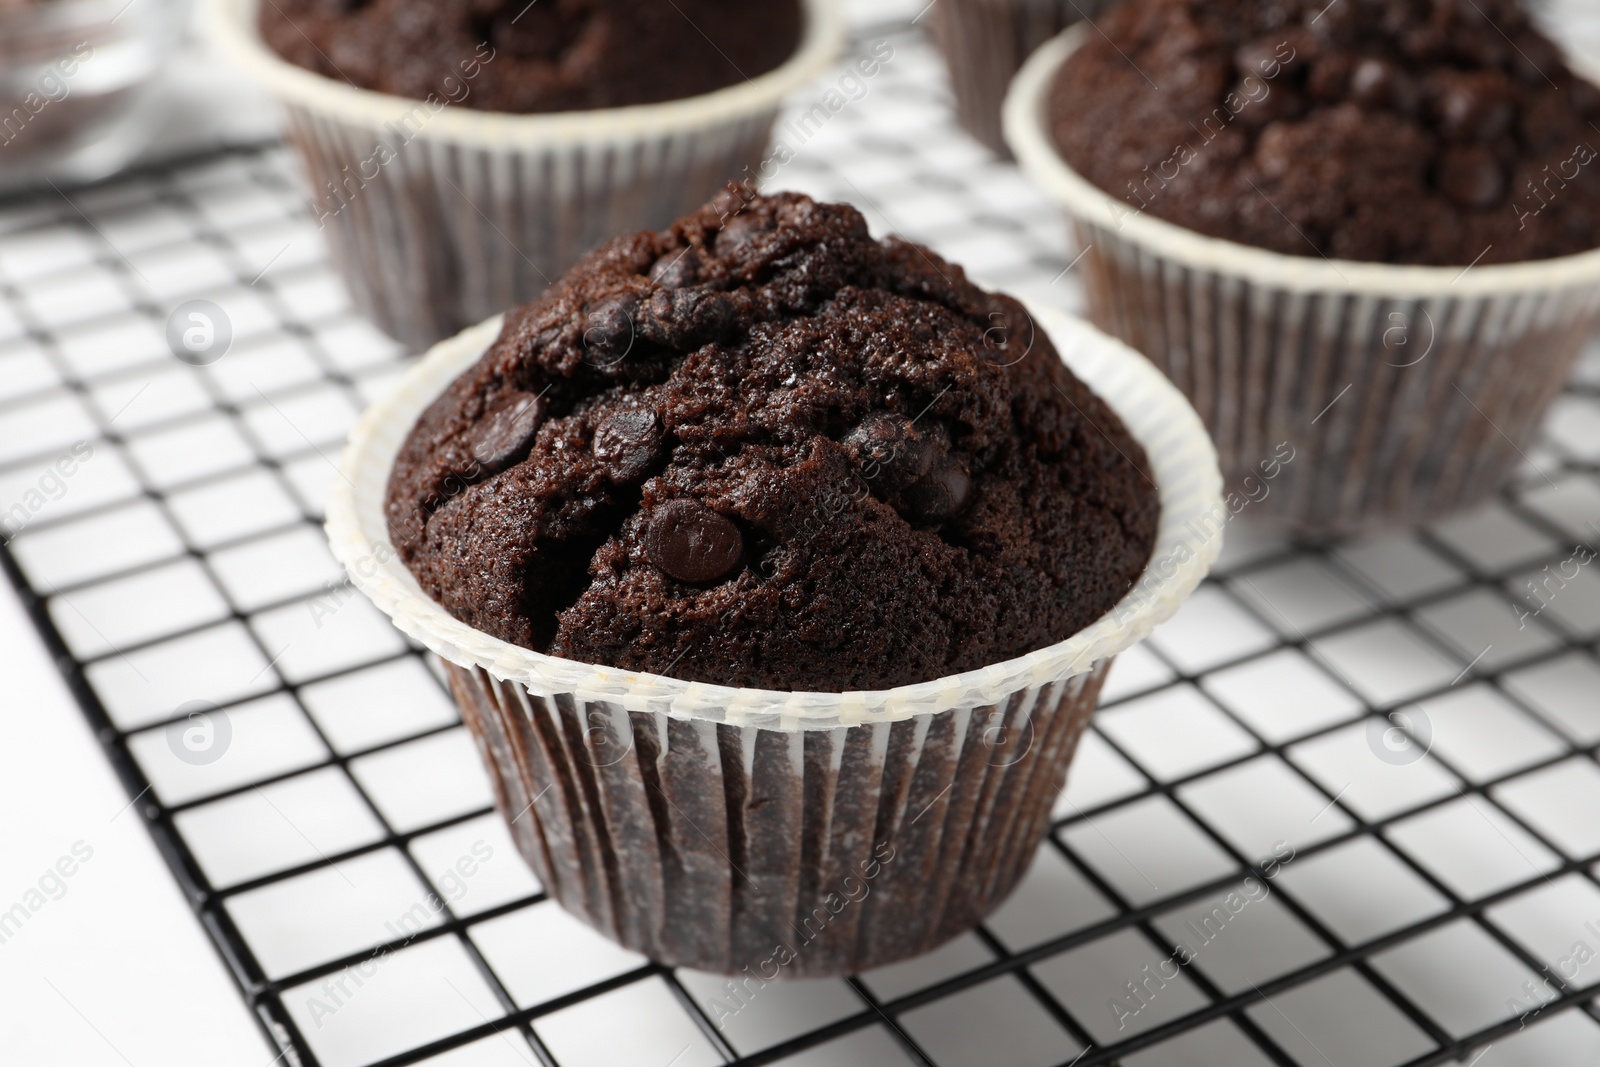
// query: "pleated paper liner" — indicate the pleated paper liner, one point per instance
point(790, 853)
point(792, 833)
point(984, 43)
point(1402, 393)
point(439, 216)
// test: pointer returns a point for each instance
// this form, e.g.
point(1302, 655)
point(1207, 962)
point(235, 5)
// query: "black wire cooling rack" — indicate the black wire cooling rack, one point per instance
point(1339, 812)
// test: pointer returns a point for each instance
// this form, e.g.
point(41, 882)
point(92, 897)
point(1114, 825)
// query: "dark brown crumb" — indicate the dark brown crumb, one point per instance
point(799, 458)
point(521, 56)
point(1393, 131)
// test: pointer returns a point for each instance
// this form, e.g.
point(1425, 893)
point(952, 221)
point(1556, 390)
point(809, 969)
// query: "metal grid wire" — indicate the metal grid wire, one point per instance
point(343, 855)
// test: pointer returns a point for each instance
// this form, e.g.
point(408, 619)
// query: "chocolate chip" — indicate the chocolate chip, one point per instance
point(890, 451)
point(628, 445)
point(609, 326)
point(685, 319)
point(1471, 176)
point(690, 542)
point(943, 493)
point(505, 437)
point(1474, 107)
point(677, 269)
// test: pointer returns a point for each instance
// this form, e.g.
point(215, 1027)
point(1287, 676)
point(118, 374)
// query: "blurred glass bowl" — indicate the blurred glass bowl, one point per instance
point(72, 76)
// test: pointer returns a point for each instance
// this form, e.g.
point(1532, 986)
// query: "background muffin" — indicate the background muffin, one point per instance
point(1366, 231)
point(461, 157)
point(763, 449)
point(1392, 131)
point(555, 55)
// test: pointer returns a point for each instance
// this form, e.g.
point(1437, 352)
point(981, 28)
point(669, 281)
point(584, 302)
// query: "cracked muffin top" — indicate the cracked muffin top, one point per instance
point(1442, 132)
point(760, 448)
point(520, 56)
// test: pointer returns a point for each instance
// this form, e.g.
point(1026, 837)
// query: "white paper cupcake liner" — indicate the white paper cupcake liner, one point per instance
point(1406, 392)
point(474, 211)
point(721, 827)
point(985, 41)
point(709, 846)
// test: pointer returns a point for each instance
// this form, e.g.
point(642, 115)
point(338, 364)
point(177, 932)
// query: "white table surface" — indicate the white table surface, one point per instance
point(116, 971)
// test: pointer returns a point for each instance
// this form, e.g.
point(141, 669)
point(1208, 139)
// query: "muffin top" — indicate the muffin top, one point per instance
point(761, 448)
point(1441, 132)
point(523, 56)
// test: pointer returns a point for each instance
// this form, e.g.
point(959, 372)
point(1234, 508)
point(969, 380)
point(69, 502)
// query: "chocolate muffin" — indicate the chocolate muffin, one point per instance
point(1440, 132)
point(523, 57)
point(760, 448)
